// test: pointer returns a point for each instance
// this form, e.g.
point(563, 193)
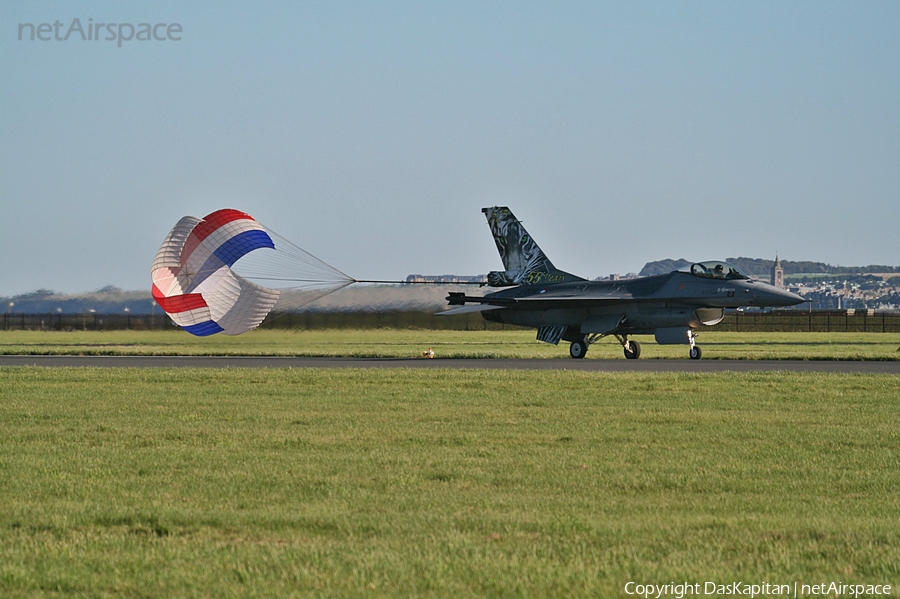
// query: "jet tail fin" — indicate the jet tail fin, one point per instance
point(524, 261)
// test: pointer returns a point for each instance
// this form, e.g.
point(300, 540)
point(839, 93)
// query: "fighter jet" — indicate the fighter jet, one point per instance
point(563, 306)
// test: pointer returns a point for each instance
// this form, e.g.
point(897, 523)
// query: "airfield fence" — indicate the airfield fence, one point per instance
point(89, 321)
point(312, 320)
point(814, 321)
point(786, 321)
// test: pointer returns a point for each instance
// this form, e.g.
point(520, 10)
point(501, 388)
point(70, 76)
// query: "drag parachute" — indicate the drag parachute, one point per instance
point(195, 278)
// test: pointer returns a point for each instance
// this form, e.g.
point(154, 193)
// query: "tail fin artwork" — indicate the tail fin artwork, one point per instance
point(524, 261)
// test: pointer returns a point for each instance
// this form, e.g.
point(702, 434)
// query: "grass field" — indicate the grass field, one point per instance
point(446, 344)
point(439, 483)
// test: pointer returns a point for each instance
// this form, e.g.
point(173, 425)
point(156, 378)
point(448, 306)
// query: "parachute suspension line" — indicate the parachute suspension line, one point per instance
point(301, 277)
point(291, 263)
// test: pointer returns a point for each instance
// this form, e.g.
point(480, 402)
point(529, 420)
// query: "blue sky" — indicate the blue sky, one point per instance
point(372, 133)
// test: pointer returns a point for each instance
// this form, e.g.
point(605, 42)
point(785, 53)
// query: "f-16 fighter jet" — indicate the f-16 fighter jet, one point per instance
point(563, 306)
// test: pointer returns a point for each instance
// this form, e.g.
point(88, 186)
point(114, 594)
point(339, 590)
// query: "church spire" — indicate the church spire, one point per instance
point(777, 273)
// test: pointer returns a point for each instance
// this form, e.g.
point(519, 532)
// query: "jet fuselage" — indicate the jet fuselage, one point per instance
point(645, 304)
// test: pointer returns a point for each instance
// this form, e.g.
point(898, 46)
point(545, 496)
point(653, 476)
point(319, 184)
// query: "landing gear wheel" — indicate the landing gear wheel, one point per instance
point(632, 350)
point(578, 349)
point(695, 353)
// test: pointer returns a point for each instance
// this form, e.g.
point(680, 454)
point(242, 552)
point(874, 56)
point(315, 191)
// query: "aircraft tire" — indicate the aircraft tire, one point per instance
point(632, 350)
point(578, 349)
point(696, 353)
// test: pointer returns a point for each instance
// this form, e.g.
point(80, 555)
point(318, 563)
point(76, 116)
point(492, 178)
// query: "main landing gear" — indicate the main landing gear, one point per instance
point(632, 349)
point(579, 348)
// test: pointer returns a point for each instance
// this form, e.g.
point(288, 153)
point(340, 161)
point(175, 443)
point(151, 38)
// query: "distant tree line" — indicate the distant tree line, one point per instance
point(108, 300)
point(662, 267)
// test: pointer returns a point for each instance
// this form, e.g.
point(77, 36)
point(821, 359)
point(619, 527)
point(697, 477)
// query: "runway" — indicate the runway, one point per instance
point(588, 365)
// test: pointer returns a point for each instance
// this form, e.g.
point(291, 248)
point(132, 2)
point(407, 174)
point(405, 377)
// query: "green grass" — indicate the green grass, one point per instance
point(440, 483)
point(446, 344)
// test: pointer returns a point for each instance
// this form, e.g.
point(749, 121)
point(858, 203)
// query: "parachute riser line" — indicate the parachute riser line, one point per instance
point(417, 282)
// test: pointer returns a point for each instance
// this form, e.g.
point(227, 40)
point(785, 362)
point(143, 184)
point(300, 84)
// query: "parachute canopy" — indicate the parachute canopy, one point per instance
point(195, 283)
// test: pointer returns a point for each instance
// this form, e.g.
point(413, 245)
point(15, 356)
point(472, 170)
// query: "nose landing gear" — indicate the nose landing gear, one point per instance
point(695, 352)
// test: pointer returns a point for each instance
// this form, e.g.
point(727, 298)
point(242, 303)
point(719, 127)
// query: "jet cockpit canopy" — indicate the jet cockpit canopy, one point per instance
point(714, 269)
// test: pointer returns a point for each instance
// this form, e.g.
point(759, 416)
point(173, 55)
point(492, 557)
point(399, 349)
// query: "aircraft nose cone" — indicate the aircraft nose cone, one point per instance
point(775, 297)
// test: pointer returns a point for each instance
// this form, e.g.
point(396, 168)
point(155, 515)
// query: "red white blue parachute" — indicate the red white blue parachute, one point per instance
point(195, 282)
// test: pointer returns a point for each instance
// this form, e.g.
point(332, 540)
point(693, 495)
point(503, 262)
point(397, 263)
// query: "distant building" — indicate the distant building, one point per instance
point(618, 277)
point(777, 274)
point(445, 279)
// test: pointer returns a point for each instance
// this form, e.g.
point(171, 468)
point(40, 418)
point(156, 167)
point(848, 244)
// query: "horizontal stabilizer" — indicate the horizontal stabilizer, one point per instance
point(468, 309)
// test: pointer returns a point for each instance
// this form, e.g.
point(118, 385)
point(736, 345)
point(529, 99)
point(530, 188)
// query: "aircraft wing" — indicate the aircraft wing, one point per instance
point(567, 302)
point(591, 296)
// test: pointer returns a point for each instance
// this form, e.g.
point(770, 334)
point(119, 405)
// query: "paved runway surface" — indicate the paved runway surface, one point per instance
point(543, 364)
